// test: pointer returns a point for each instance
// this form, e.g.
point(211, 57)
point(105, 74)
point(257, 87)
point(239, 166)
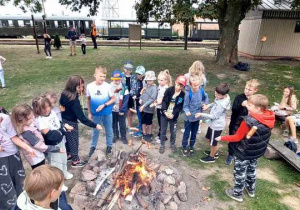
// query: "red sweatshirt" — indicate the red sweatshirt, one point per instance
point(267, 118)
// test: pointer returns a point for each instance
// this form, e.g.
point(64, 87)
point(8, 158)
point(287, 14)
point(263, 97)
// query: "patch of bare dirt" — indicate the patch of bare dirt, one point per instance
point(221, 76)
point(291, 201)
point(267, 174)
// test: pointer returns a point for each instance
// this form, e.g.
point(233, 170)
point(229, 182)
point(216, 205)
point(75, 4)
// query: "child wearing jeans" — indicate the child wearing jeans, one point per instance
point(239, 111)
point(42, 190)
point(217, 120)
point(172, 105)
point(22, 119)
point(100, 105)
point(120, 107)
point(247, 150)
point(164, 81)
point(193, 100)
point(53, 133)
point(12, 172)
point(148, 96)
point(2, 61)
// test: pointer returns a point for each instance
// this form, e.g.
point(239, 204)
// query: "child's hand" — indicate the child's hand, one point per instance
point(140, 101)
point(30, 151)
point(143, 90)
point(90, 116)
point(133, 97)
point(245, 103)
point(1, 149)
point(99, 127)
point(62, 150)
point(69, 127)
point(153, 105)
point(218, 138)
point(188, 114)
point(197, 115)
point(142, 108)
point(121, 113)
point(100, 108)
point(169, 116)
point(115, 107)
point(204, 107)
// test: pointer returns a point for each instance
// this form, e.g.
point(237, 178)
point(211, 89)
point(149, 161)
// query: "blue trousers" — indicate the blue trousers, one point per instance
point(190, 129)
point(106, 122)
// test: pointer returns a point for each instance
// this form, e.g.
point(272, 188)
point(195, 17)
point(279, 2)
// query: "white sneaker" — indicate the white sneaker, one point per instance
point(157, 138)
point(64, 188)
point(199, 131)
point(47, 57)
point(50, 57)
point(69, 176)
point(158, 141)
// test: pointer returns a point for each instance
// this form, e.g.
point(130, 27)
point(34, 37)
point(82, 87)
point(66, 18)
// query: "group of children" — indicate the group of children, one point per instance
point(46, 129)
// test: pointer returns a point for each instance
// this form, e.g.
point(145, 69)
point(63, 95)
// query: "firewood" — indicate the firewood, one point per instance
point(114, 200)
point(105, 195)
point(129, 197)
point(102, 181)
point(141, 201)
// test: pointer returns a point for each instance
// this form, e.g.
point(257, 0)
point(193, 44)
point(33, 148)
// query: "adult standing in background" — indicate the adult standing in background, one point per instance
point(72, 35)
point(94, 35)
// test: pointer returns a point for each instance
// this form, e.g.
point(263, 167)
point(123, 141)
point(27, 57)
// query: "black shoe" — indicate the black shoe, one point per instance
point(207, 152)
point(185, 152)
point(78, 164)
point(230, 194)
point(124, 140)
point(149, 137)
point(115, 139)
point(192, 152)
point(250, 193)
point(173, 148)
point(207, 159)
point(162, 149)
point(108, 152)
point(92, 150)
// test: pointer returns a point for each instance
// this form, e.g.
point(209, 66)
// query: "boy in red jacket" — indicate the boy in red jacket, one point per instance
point(247, 150)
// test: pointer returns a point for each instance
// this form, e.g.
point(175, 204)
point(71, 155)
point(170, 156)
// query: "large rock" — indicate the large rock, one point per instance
point(270, 153)
point(182, 196)
point(98, 155)
point(80, 201)
point(169, 189)
point(88, 175)
point(90, 186)
point(165, 198)
point(96, 169)
point(176, 199)
point(170, 180)
point(94, 163)
point(172, 206)
point(169, 171)
point(161, 177)
point(79, 187)
point(162, 168)
point(182, 187)
point(160, 206)
point(178, 178)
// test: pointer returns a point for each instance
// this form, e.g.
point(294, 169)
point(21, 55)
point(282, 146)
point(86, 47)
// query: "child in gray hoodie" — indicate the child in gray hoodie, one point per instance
point(217, 120)
point(148, 96)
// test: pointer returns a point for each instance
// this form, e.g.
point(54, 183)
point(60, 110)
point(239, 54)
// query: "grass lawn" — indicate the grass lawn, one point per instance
point(29, 74)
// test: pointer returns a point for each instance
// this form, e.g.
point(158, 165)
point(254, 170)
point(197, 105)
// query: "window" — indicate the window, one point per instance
point(60, 24)
point(297, 27)
point(56, 24)
point(86, 24)
point(70, 23)
point(21, 23)
point(0, 24)
point(48, 24)
point(64, 24)
point(28, 23)
point(10, 23)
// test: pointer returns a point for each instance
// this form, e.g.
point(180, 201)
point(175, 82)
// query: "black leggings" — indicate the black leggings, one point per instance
point(83, 48)
point(47, 49)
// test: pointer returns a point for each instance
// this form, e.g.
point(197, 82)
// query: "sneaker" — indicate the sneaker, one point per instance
point(230, 194)
point(47, 57)
point(185, 152)
point(207, 152)
point(92, 150)
point(199, 131)
point(162, 149)
point(207, 159)
point(157, 141)
point(250, 193)
point(64, 188)
point(68, 176)
point(285, 133)
point(229, 159)
point(108, 152)
point(50, 57)
point(173, 148)
point(149, 137)
point(182, 130)
point(137, 134)
point(78, 164)
point(124, 140)
point(157, 138)
point(192, 152)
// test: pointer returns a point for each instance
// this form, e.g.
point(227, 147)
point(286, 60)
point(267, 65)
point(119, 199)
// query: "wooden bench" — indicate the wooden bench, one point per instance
point(286, 153)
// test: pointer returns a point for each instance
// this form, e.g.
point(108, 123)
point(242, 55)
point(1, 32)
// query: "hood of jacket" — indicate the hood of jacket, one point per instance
point(224, 103)
point(267, 118)
point(24, 202)
point(65, 101)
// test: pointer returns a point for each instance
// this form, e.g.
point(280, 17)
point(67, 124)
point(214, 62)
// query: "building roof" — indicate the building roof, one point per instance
point(275, 5)
point(39, 17)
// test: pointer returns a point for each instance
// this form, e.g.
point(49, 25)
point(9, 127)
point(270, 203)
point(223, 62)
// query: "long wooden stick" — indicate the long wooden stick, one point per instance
point(114, 200)
point(102, 181)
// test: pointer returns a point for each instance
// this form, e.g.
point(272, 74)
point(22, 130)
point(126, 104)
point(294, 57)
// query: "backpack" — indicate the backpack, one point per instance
point(291, 145)
point(242, 66)
point(203, 94)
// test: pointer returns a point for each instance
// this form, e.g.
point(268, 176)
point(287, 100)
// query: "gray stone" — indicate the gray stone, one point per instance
point(169, 189)
point(170, 180)
point(172, 206)
point(161, 177)
point(169, 171)
point(87, 167)
point(88, 175)
point(162, 168)
point(96, 169)
point(178, 178)
point(176, 199)
point(182, 196)
point(94, 163)
point(80, 201)
point(182, 187)
point(165, 198)
point(98, 155)
point(90, 186)
point(160, 206)
point(79, 187)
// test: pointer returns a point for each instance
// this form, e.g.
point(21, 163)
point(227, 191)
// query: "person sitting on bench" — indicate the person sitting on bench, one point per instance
point(290, 124)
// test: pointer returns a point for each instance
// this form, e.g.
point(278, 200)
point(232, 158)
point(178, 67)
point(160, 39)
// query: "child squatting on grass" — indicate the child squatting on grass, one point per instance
point(247, 150)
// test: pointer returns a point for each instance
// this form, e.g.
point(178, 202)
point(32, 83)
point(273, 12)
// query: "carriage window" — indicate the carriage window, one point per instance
point(297, 27)
point(55, 24)
point(21, 23)
point(87, 24)
point(48, 24)
point(70, 23)
point(64, 24)
point(10, 23)
point(28, 23)
point(60, 24)
point(0, 24)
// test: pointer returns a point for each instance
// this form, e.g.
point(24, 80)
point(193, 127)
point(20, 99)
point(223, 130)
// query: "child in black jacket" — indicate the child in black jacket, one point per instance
point(172, 105)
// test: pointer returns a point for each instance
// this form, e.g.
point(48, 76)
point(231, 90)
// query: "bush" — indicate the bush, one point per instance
point(57, 42)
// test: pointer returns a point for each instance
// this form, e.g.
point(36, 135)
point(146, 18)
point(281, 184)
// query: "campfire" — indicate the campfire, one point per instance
point(128, 181)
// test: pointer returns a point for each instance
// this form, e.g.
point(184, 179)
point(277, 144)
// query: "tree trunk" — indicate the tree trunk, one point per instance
point(186, 31)
point(230, 15)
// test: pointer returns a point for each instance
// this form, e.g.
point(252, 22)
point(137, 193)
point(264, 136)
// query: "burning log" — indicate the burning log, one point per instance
point(130, 196)
point(105, 195)
point(141, 201)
